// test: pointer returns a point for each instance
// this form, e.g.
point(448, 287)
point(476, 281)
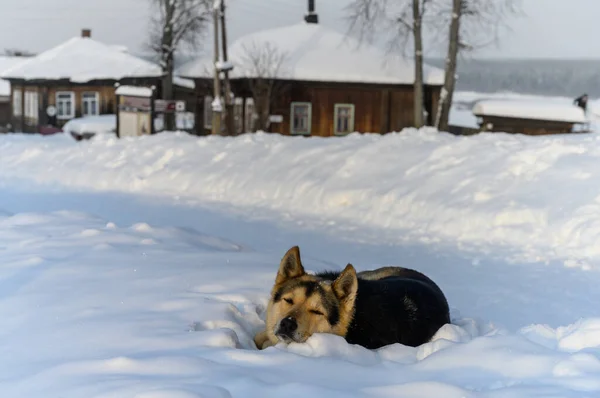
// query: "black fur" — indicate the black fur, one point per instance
point(382, 316)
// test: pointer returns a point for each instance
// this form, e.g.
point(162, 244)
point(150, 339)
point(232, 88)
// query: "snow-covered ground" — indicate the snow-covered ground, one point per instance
point(141, 267)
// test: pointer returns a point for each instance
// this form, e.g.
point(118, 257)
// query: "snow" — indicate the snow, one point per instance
point(141, 267)
point(313, 52)
point(7, 62)
point(101, 124)
point(217, 105)
point(81, 60)
point(463, 118)
point(530, 110)
point(224, 65)
point(134, 91)
point(181, 82)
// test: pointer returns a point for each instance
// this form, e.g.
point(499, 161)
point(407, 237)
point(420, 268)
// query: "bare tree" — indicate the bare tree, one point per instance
point(405, 19)
point(473, 24)
point(175, 24)
point(263, 64)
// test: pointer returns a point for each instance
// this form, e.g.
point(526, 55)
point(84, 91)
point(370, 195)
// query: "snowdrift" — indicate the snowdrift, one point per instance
point(97, 308)
point(538, 197)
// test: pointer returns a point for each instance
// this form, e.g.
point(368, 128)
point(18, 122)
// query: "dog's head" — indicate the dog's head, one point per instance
point(303, 304)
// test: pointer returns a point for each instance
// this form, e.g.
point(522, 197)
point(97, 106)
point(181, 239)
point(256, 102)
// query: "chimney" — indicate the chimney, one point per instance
point(312, 16)
point(86, 33)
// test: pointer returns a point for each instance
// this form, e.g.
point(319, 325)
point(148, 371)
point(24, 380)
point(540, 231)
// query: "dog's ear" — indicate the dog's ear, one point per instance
point(346, 285)
point(290, 266)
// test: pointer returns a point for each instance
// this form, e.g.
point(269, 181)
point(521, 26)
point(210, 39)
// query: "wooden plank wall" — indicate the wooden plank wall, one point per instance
point(377, 110)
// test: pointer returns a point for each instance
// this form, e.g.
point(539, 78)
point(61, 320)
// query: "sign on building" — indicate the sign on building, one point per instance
point(135, 111)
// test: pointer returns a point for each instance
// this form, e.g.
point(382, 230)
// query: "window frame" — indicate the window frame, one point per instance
point(17, 102)
point(32, 104)
point(208, 114)
point(309, 116)
point(336, 115)
point(249, 114)
point(84, 100)
point(238, 115)
point(71, 115)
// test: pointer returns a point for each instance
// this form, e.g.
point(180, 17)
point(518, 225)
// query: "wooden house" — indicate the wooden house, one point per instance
point(76, 79)
point(6, 63)
point(529, 118)
point(325, 83)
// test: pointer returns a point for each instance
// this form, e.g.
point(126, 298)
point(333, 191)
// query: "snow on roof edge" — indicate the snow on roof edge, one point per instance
point(53, 64)
point(530, 110)
point(134, 91)
point(306, 45)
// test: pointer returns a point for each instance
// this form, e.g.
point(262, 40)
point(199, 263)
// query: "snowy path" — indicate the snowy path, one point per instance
point(103, 306)
point(157, 293)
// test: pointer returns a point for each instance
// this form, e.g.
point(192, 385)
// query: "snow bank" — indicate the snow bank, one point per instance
point(90, 125)
point(97, 308)
point(537, 197)
point(530, 110)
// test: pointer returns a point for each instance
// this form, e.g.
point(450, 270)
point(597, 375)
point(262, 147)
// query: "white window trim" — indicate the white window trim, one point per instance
point(31, 105)
point(17, 102)
point(249, 115)
point(238, 115)
point(72, 114)
point(208, 115)
point(84, 100)
point(27, 110)
point(336, 108)
point(292, 106)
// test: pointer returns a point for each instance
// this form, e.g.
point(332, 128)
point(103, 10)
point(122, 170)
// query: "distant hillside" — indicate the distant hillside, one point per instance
point(544, 77)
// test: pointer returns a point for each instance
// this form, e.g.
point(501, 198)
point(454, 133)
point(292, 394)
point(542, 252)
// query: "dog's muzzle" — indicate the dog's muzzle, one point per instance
point(286, 331)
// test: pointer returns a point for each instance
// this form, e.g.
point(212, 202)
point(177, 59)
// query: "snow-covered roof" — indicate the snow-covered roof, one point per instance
point(313, 52)
point(134, 91)
point(530, 110)
point(82, 59)
point(182, 82)
point(7, 63)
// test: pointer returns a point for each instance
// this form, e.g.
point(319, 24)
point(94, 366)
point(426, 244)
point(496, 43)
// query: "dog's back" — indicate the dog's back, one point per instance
point(396, 305)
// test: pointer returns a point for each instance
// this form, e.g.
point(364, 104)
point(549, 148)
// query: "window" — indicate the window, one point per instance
point(27, 108)
point(250, 115)
point(238, 115)
point(208, 114)
point(90, 104)
point(301, 118)
point(17, 102)
point(31, 105)
point(65, 105)
point(343, 119)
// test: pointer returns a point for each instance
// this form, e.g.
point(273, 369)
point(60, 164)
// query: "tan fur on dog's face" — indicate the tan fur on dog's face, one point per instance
point(302, 304)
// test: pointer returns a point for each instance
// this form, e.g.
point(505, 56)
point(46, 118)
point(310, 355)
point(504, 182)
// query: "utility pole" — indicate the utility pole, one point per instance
point(217, 105)
point(229, 117)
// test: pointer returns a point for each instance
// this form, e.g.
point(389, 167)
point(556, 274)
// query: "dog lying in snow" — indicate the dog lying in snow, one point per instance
point(372, 308)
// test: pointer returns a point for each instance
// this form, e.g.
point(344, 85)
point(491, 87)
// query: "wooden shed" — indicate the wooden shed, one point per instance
point(77, 79)
point(529, 118)
point(324, 83)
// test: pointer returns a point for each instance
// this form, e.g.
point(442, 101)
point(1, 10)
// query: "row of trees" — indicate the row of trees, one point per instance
point(465, 26)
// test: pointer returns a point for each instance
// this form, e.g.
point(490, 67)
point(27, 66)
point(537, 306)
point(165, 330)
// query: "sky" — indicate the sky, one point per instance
point(549, 28)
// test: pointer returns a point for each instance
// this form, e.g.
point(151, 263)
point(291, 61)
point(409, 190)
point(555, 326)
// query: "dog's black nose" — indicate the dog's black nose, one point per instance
point(287, 326)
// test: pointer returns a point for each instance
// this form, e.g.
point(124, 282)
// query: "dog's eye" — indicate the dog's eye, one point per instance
point(316, 312)
point(289, 301)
